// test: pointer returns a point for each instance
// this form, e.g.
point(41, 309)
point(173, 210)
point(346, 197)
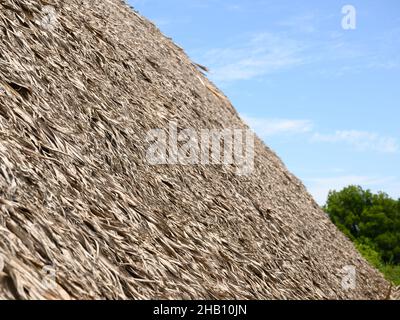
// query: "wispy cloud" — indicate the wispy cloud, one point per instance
point(234, 7)
point(300, 40)
point(361, 140)
point(266, 127)
point(260, 55)
point(320, 187)
point(304, 23)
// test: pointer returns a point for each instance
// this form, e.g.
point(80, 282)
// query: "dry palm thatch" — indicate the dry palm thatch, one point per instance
point(81, 82)
point(396, 294)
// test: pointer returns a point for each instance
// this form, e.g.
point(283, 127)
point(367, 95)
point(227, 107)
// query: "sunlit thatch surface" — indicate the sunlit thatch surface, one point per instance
point(81, 82)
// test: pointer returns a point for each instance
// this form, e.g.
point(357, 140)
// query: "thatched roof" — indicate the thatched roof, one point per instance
point(81, 82)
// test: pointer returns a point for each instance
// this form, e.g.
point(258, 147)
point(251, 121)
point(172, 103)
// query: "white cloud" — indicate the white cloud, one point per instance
point(295, 44)
point(260, 55)
point(234, 7)
point(301, 23)
point(266, 127)
point(320, 187)
point(361, 140)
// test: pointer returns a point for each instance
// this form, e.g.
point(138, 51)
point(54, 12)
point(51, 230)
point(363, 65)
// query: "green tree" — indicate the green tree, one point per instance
point(372, 221)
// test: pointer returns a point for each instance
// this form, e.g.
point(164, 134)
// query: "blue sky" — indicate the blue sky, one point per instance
point(327, 100)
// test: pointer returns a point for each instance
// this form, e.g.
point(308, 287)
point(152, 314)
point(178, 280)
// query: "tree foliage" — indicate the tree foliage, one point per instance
point(371, 220)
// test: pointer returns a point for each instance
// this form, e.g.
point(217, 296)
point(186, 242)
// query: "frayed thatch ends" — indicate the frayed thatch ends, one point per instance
point(396, 294)
point(83, 215)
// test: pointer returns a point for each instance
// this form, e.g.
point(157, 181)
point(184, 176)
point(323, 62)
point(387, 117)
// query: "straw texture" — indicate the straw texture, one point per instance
point(81, 83)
